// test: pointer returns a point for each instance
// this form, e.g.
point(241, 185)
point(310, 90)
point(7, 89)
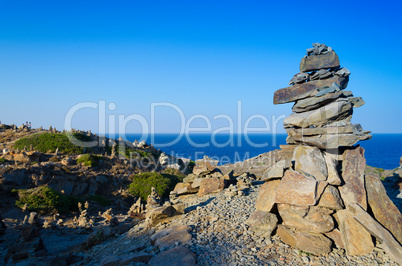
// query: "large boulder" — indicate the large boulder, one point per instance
point(296, 189)
point(156, 215)
point(211, 185)
point(184, 189)
point(356, 239)
point(331, 199)
point(266, 196)
point(316, 244)
point(311, 162)
point(262, 223)
point(389, 244)
point(353, 174)
point(382, 207)
point(307, 218)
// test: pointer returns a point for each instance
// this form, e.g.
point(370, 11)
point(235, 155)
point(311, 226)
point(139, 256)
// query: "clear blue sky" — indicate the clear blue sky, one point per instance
point(202, 56)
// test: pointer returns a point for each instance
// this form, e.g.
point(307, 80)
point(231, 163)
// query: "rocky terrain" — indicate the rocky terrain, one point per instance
point(313, 201)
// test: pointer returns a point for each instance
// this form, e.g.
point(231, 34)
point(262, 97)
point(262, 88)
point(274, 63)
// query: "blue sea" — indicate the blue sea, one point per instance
point(383, 150)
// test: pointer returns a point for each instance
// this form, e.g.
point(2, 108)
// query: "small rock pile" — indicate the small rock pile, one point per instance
point(321, 195)
point(206, 178)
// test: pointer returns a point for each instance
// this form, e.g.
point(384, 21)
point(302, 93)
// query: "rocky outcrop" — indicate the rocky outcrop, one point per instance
point(323, 193)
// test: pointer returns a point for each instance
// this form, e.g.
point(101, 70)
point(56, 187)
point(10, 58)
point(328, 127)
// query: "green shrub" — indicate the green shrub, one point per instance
point(89, 160)
point(191, 164)
point(2, 160)
point(45, 199)
point(142, 184)
point(45, 142)
point(99, 199)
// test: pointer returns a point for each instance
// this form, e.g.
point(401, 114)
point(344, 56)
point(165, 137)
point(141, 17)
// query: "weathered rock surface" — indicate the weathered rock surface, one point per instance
point(266, 197)
point(390, 245)
point(313, 243)
point(296, 189)
point(262, 223)
point(168, 237)
point(335, 111)
point(312, 103)
point(287, 151)
point(157, 215)
point(383, 209)
point(307, 219)
point(335, 235)
point(116, 260)
point(312, 131)
point(316, 62)
point(211, 185)
point(355, 237)
point(185, 188)
point(277, 170)
point(311, 162)
point(331, 199)
point(332, 166)
point(330, 141)
point(177, 256)
point(307, 89)
point(353, 174)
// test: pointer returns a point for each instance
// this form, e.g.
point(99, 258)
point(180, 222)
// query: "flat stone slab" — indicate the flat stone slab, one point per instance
point(296, 189)
point(321, 61)
point(384, 210)
point(335, 111)
point(353, 174)
point(389, 244)
point(329, 141)
point(355, 238)
point(307, 89)
point(266, 196)
point(316, 244)
point(331, 199)
point(276, 171)
point(311, 162)
point(347, 129)
point(312, 103)
point(316, 220)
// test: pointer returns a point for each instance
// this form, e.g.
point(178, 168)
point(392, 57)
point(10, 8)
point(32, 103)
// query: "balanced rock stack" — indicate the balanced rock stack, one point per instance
point(321, 194)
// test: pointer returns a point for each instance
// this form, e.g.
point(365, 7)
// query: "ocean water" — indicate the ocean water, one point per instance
point(383, 150)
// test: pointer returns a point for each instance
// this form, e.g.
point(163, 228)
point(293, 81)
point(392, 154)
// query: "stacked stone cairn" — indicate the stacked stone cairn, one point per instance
point(319, 196)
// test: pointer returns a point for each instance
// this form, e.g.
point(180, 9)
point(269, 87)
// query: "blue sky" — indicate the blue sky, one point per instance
point(200, 56)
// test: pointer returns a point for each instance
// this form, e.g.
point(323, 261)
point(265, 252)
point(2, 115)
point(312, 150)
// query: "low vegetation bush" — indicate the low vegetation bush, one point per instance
point(99, 199)
point(2, 160)
point(45, 199)
point(45, 142)
point(163, 184)
point(89, 160)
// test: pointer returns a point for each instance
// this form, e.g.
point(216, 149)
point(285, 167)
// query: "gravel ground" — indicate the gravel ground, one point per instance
point(220, 236)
